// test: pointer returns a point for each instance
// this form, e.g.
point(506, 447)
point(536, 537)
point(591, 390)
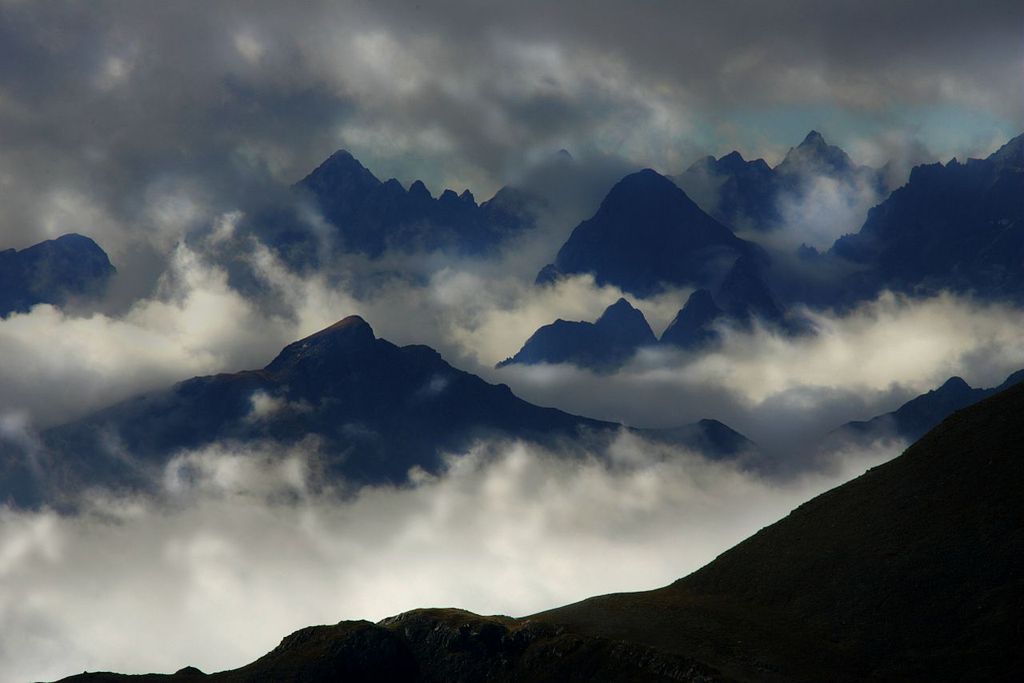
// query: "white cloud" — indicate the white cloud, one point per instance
point(240, 549)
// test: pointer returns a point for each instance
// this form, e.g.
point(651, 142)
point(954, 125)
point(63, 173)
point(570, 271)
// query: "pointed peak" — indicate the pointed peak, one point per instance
point(347, 323)
point(419, 189)
point(644, 180)
point(349, 335)
point(563, 155)
point(814, 139)
point(954, 384)
point(340, 171)
point(620, 310)
point(468, 197)
point(621, 305)
point(342, 159)
point(342, 155)
point(448, 196)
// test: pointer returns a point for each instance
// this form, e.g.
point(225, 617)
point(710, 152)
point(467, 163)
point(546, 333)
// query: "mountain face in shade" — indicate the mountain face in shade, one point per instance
point(379, 410)
point(744, 295)
point(693, 326)
point(739, 193)
point(601, 345)
point(954, 226)
point(376, 409)
point(647, 234)
point(52, 272)
point(443, 646)
point(742, 298)
point(916, 417)
point(815, 156)
point(747, 195)
point(372, 216)
point(911, 572)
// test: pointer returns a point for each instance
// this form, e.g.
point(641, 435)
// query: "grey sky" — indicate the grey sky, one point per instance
point(143, 119)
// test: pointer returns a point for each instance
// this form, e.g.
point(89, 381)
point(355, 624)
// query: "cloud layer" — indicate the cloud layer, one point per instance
point(243, 546)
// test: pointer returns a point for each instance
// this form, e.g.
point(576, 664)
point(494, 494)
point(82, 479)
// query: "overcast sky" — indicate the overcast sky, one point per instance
point(142, 119)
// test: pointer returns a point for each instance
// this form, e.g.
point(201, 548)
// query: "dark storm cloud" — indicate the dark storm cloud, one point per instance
point(146, 119)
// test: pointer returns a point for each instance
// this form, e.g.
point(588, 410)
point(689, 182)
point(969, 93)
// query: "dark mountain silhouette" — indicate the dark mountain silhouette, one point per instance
point(693, 326)
point(601, 345)
point(958, 226)
point(739, 193)
point(917, 416)
point(52, 272)
point(747, 195)
point(815, 156)
point(743, 298)
point(648, 234)
point(744, 295)
point(712, 438)
point(911, 572)
point(377, 409)
point(372, 216)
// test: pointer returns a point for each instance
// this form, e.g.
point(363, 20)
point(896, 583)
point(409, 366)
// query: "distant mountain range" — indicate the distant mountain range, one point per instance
point(602, 345)
point(376, 408)
point(911, 572)
point(622, 330)
point(646, 235)
point(369, 216)
point(52, 272)
point(916, 417)
point(747, 195)
point(958, 226)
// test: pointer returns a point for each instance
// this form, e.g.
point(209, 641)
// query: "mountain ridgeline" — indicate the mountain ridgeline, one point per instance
point(646, 235)
point(622, 330)
point(910, 572)
point(958, 226)
point(368, 216)
point(917, 416)
point(377, 410)
point(749, 195)
point(56, 271)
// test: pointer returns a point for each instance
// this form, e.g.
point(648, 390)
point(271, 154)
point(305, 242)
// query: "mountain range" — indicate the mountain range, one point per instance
point(910, 572)
point(955, 226)
point(601, 345)
point(917, 416)
point(646, 235)
point(52, 272)
point(376, 409)
point(622, 330)
point(748, 195)
point(369, 216)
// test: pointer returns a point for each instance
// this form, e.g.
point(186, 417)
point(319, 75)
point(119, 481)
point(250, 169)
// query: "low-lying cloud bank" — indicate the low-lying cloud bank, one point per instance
point(244, 545)
point(785, 391)
point(774, 388)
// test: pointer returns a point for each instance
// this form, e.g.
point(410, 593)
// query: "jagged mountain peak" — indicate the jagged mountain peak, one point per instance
point(349, 335)
point(815, 155)
point(814, 139)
